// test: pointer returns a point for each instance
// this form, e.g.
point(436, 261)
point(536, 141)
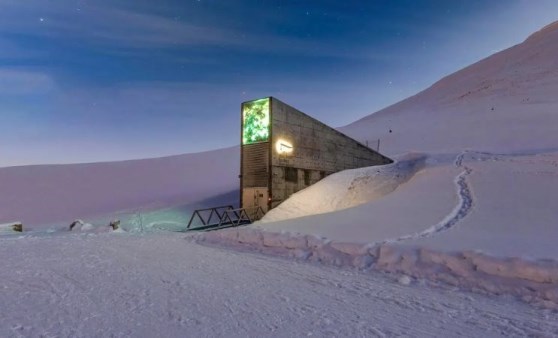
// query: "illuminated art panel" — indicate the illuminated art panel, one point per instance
point(255, 121)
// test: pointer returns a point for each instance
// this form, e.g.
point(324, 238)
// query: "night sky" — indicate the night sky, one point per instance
point(85, 81)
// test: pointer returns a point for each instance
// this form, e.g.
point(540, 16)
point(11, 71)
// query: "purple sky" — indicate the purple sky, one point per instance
point(86, 81)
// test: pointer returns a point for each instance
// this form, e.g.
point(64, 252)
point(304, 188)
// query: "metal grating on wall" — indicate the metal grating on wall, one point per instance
point(255, 165)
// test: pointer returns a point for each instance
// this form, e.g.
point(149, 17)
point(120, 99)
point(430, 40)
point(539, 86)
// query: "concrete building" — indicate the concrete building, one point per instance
point(284, 150)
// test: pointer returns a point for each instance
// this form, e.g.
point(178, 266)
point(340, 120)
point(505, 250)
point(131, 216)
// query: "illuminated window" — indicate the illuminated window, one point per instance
point(255, 121)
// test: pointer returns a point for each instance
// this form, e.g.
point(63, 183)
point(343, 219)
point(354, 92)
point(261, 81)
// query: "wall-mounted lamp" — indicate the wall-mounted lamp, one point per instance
point(283, 147)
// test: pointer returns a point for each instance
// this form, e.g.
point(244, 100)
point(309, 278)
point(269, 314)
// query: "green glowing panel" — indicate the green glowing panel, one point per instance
point(255, 121)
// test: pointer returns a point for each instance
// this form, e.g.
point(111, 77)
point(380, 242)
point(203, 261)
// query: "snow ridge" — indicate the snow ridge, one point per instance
point(534, 282)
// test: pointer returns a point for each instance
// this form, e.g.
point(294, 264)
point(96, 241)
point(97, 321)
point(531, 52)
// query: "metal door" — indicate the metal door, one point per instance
point(252, 198)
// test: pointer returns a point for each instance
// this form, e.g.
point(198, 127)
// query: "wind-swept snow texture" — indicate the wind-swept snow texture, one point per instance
point(532, 281)
point(122, 285)
point(504, 103)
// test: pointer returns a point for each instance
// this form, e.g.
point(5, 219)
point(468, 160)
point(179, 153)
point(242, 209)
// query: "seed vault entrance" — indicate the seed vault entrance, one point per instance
point(284, 150)
point(255, 197)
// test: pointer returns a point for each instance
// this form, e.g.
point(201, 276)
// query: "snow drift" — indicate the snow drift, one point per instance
point(348, 188)
point(533, 281)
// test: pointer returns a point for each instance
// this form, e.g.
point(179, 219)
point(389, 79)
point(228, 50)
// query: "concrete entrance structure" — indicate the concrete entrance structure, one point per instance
point(284, 150)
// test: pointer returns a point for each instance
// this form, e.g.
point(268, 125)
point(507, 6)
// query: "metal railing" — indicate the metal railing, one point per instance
point(223, 217)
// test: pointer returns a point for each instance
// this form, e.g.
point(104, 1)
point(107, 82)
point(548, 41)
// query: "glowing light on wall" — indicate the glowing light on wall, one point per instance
point(284, 147)
point(255, 121)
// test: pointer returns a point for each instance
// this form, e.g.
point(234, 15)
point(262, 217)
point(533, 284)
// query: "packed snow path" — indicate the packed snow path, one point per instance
point(464, 205)
point(161, 285)
point(461, 210)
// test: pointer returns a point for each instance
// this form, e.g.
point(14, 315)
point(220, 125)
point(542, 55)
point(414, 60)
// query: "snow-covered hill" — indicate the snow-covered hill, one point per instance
point(57, 194)
point(504, 103)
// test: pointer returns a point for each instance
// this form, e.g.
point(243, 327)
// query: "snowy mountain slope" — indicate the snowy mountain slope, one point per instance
point(38, 195)
point(506, 102)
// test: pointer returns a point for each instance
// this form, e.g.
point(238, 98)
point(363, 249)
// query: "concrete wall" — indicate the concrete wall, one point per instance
point(318, 150)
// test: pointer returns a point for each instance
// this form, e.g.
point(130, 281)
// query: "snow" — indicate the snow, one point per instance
point(533, 281)
point(515, 208)
point(497, 204)
point(81, 226)
point(480, 221)
point(347, 189)
point(428, 197)
point(84, 285)
point(52, 196)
